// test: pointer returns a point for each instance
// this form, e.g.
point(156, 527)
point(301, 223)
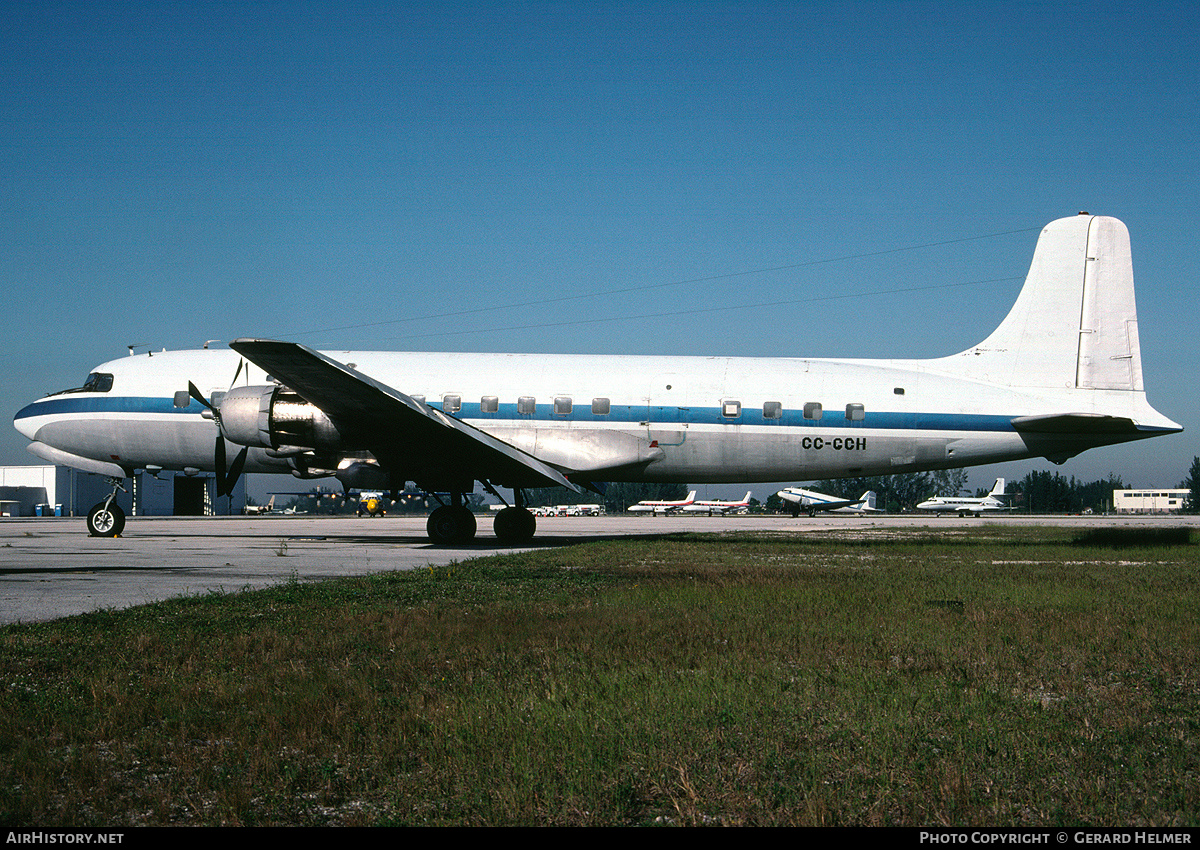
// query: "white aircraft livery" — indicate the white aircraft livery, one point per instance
point(717, 507)
point(653, 507)
point(965, 505)
point(799, 500)
point(1061, 374)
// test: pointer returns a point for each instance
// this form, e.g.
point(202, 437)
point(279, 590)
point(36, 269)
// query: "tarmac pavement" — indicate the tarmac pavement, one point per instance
point(50, 568)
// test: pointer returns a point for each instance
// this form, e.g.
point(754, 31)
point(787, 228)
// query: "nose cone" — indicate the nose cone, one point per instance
point(27, 421)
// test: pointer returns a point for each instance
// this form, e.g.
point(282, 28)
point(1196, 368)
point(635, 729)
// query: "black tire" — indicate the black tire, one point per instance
point(106, 522)
point(449, 524)
point(515, 526)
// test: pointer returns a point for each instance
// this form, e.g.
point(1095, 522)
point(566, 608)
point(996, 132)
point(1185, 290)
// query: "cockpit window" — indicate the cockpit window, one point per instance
point(97, 382)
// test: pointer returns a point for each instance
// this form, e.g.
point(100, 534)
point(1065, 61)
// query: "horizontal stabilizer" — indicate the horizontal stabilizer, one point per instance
point(1075, 423)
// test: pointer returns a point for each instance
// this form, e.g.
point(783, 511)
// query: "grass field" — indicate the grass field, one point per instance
point(984, 676)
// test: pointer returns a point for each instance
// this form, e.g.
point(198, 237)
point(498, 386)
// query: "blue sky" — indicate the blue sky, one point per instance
point(700, 178)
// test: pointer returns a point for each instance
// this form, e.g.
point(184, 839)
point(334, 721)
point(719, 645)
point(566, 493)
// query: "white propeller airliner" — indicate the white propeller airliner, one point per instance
point(798, 500)
point(1061, 374)
point(653, 506)
point(716, 507)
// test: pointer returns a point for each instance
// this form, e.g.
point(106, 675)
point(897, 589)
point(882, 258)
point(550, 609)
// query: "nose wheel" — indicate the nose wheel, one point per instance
point(106, 520)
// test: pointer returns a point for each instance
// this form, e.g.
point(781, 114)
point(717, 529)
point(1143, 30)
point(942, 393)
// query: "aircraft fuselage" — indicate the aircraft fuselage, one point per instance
point(711, 419)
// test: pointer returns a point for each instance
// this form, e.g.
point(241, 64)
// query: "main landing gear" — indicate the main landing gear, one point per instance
point(455, 524)
point(106, 519)
point(451, 524)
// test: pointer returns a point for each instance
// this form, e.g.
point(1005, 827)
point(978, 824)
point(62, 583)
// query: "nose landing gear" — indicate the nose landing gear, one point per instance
point(106, 519)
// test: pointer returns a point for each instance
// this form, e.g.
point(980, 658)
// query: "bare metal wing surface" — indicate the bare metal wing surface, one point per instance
point(429, 444)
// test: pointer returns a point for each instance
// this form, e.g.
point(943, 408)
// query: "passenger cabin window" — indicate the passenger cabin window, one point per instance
point(731, 409)
point(182, 398)
point(898, 391)
point(812, 410)
point(526, 405)
point(772, 410)
point(601, 406)
point(451, 403)
point(489, 404)
point(562, 405)
point(856, 412)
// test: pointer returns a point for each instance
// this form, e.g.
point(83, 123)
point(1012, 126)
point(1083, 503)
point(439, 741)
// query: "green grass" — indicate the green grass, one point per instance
point(1007, 677)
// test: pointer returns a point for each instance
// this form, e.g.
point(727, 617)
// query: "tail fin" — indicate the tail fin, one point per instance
point(997, 488)
point(868, 500)
point(1074, 325)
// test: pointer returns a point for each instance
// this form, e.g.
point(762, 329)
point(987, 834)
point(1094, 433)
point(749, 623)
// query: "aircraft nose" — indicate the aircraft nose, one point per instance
point(26, 421)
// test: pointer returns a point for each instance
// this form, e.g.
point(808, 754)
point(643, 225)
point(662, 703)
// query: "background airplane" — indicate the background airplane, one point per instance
point(652, 507)
point(371, 504)
point(966, 505)
point(797, 500)
point(714, 506)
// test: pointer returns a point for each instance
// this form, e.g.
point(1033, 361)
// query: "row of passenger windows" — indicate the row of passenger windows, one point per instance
point(526, 405)
point(774, 410)
point(563, 405)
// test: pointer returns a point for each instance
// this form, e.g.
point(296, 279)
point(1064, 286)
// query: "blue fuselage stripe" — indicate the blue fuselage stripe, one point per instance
point(881, 420)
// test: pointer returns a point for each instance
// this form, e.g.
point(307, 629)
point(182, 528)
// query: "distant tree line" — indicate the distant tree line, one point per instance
point(1052, 493)
point(1192, 485)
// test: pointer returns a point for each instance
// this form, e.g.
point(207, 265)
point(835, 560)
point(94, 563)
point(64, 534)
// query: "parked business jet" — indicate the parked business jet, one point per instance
point(716, 507)
point(798, 500)
point(967, 505)
point(652, 507)
point(1061, 374)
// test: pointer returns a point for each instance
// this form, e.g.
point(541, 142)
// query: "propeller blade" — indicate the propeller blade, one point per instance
point(219, 455)
point(235, 471)
point(238, 373)
point(195, 393)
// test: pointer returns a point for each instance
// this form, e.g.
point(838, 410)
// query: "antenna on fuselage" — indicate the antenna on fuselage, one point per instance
point(139, 345)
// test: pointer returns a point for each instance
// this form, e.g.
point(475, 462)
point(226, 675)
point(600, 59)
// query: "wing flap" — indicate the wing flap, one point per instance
point(401, 431)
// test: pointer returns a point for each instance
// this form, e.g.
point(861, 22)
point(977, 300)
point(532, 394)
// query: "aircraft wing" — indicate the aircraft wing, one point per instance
point(405, 434)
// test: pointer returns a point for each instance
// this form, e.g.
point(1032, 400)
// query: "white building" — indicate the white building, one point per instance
point(1149, 501)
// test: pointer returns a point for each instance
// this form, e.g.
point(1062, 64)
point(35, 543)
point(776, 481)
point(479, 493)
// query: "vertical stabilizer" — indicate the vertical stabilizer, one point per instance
point(1074, 325)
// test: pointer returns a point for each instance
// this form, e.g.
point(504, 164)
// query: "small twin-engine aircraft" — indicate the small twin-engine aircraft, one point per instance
point(797, 500)
point(651, 506)
point(1061, 374)
point(967, 505)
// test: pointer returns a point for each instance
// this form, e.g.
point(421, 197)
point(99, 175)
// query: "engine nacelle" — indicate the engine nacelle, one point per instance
point(270, 417)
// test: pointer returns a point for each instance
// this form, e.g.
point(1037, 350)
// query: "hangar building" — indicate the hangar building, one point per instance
point(62, 491)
